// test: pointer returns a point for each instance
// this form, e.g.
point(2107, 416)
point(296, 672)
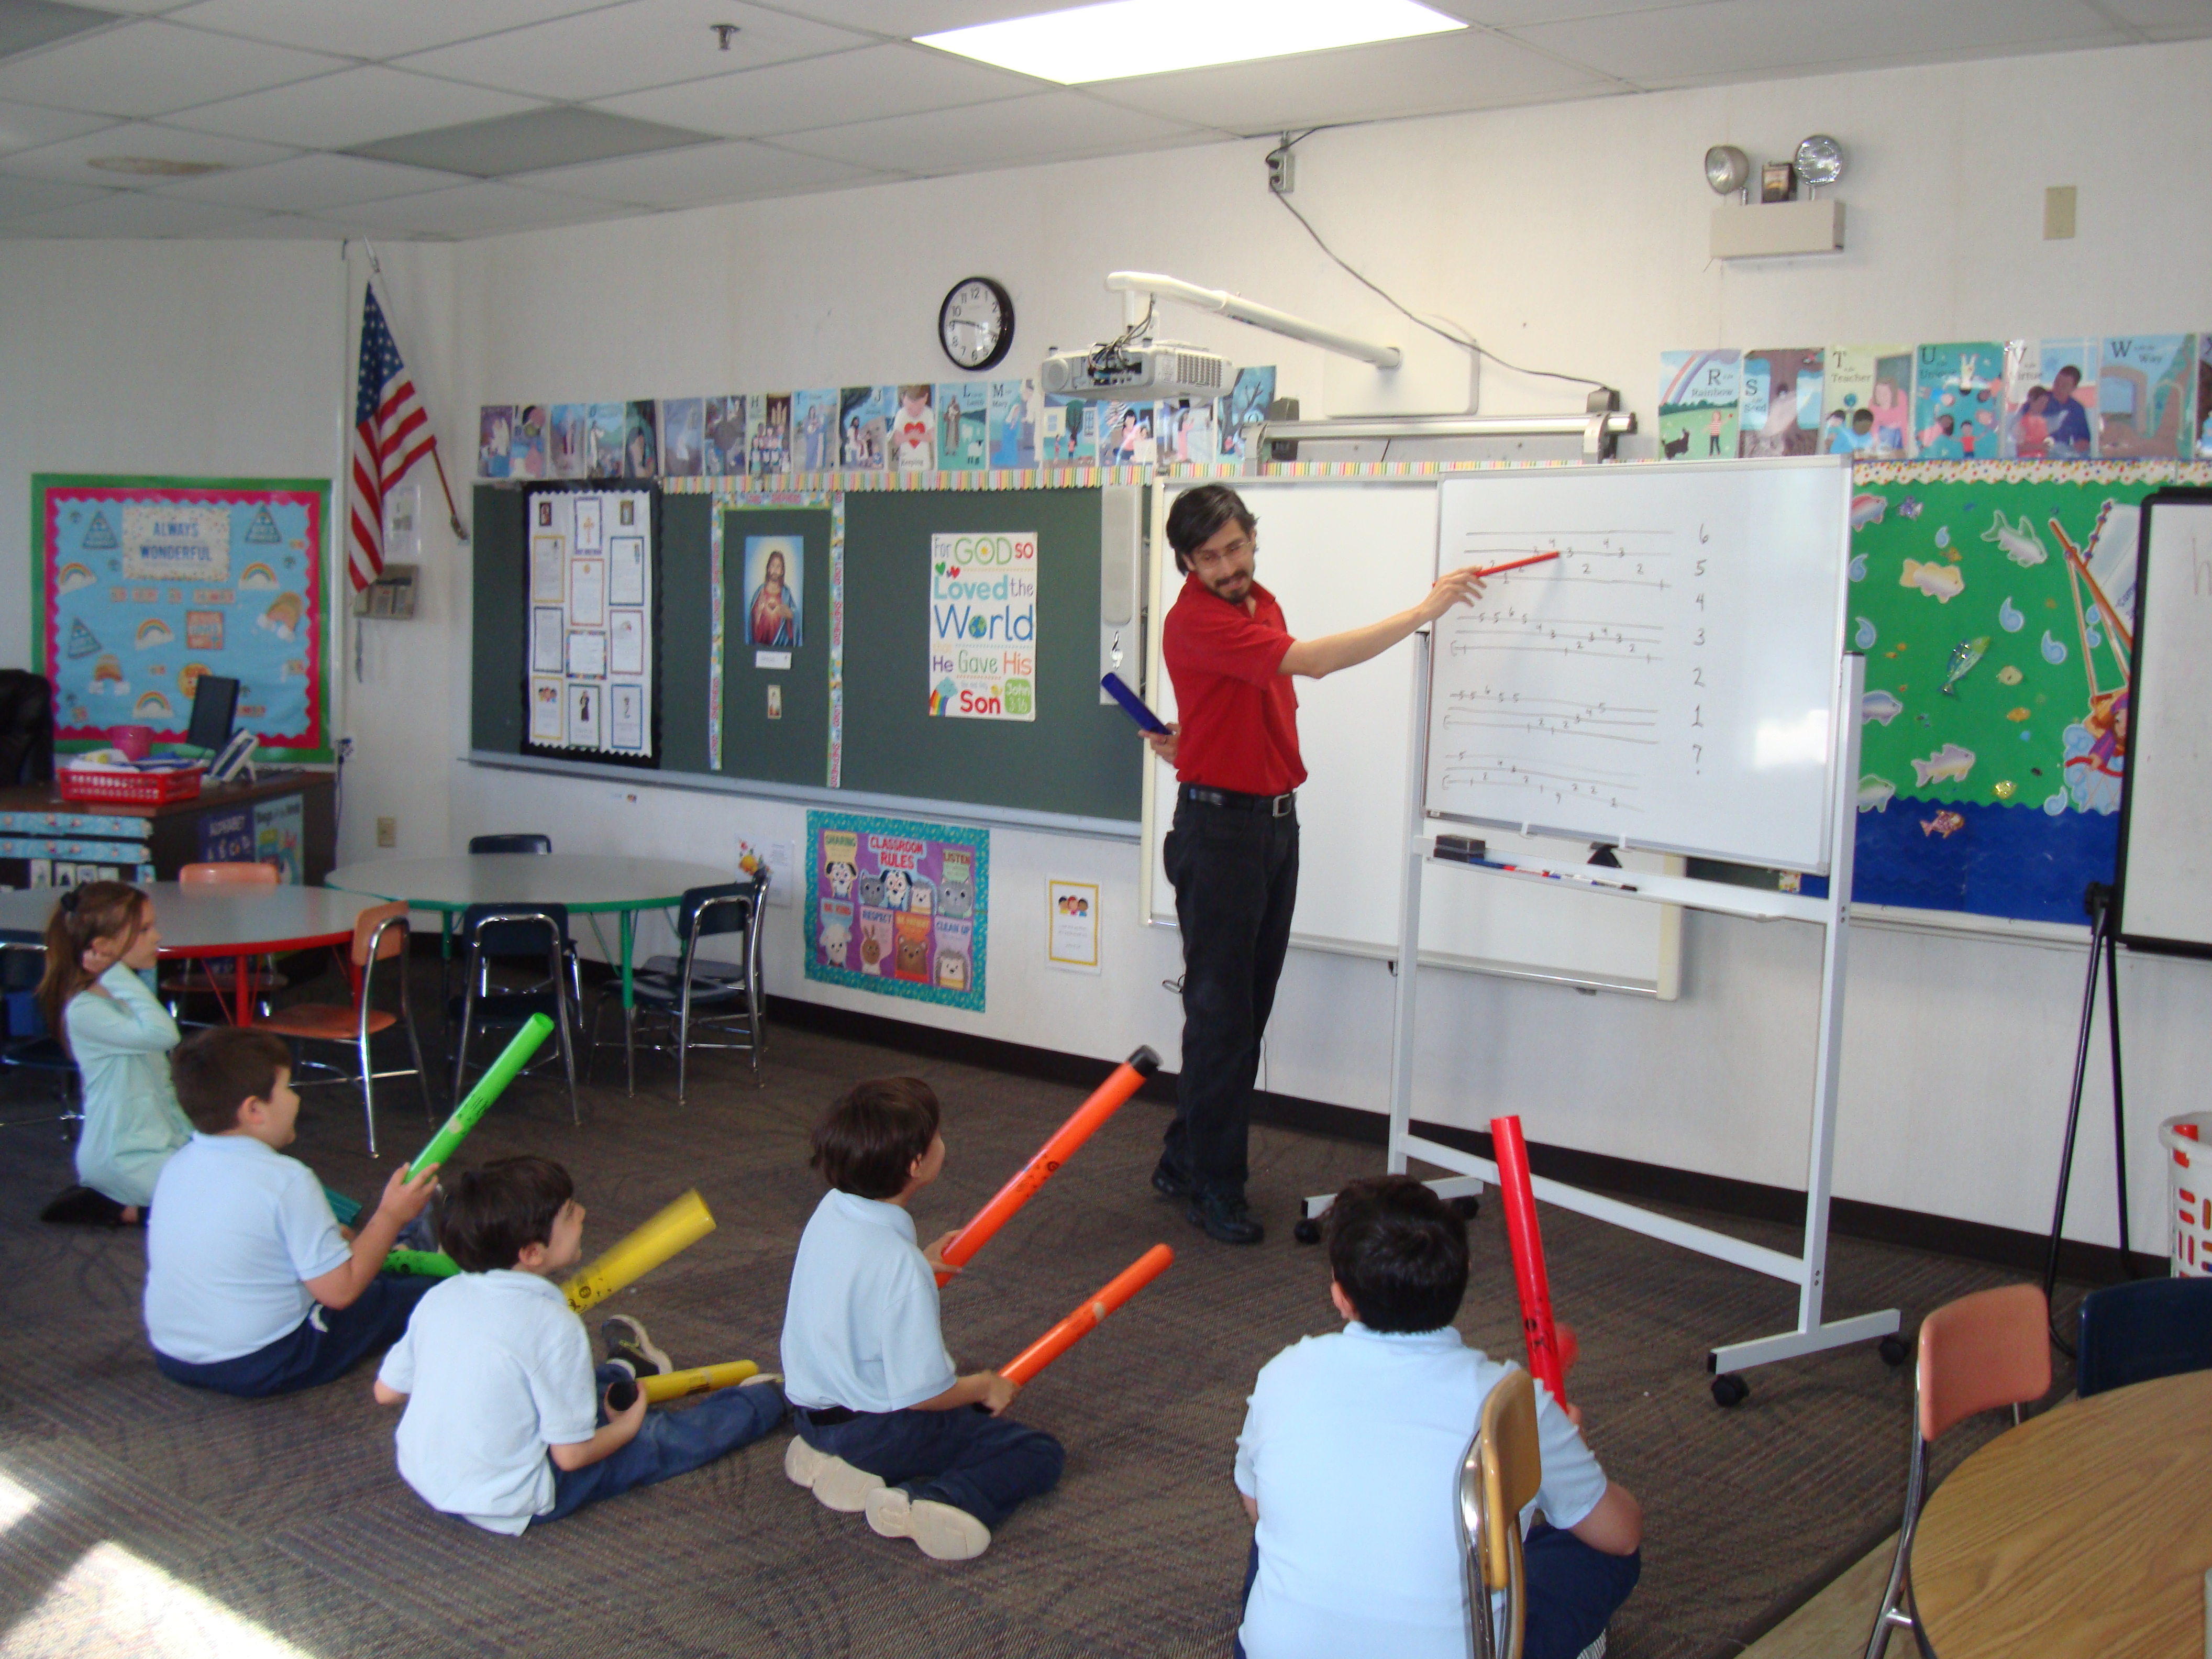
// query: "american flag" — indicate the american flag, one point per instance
point(391, 433)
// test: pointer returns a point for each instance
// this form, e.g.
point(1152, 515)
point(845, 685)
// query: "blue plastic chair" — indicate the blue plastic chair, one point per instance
point(31, 1046)
point(2151, 1328)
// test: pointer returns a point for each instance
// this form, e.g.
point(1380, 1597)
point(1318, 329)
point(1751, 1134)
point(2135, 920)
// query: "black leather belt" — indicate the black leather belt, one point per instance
point(823, 1417)
point(1275, 806)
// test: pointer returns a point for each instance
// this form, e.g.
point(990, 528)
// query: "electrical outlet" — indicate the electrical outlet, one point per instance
point(387, 832)
point(1282, 169)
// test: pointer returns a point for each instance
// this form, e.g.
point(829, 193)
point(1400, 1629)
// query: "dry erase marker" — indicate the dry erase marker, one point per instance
point(1515, 564)
point(1553, 875)
point(1132, 705)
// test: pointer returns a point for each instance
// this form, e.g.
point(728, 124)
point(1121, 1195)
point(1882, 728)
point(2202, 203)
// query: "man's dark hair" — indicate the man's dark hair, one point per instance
point(1198, 515)
point(493, 1213)
point(1400, 1252)
point(218, 1070)
point(868, 1142)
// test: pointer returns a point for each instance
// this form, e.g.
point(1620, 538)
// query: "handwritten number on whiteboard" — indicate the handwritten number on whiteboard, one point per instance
point(1696, 676)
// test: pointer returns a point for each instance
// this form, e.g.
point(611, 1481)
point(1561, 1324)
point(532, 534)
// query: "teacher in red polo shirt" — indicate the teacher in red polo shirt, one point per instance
point(1233, 854)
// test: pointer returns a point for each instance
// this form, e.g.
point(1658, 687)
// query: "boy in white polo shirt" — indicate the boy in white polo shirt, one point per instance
point(505, 1421)
point(883, 1417)
point(1349, 1460)
point(252, 1288)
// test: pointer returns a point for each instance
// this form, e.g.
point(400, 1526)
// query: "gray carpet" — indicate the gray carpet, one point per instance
point(116, 1486)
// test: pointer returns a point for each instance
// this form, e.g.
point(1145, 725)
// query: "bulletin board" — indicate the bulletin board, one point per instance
point(143, 585)
point(776, 652)
point(590, 646)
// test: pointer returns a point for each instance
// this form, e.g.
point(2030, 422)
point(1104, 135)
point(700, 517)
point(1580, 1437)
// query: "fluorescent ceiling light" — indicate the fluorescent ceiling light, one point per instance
point(1154, 37)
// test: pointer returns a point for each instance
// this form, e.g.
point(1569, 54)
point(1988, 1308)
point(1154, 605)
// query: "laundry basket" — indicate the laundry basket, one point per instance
point(2188, 1143)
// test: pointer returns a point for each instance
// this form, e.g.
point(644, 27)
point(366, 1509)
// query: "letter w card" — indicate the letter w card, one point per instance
point(982, 626)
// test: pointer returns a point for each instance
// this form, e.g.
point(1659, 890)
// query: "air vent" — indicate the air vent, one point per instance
point(26, 25)
point(529, 143)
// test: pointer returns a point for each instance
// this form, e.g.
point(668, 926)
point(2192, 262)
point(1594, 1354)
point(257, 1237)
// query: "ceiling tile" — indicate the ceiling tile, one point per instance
point(135, 213)
point(1014, 132)
point(1512, 14)
point(913, 17)
point(150, 69)
point(371, 28)
point(2168, 19)
point(483, 208)
point(709, 172)
point(24, 127)
point(1472, 69)
point(28, 23)
point(290, 227)
point(21, 195)
point(310, 184)
point(846, 86)
point(1732, 40)
point(354, 106)
point(532, 142)
point(630, 48)
point(70, 160)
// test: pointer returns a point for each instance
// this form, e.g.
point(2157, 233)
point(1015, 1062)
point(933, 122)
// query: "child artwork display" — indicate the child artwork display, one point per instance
point(722, 450)
point(898, 907)
point(962, 418)
point(142, 585)
point(640, 439)
point(683, 430)
point(776, 587)
point(1698, 392)
point(2147, 397)
point(1780, 412)
point(569, 442)
point(914, 431)
point(1067, 431)
point(1071, 909)
point(495, 439)
point(1013, 423)
point(864, 425)
point(768, 436)
point(982, 626)
point(1957, 391)
point(591, 642)
point(814, 429)
point(1245, 407)
point(1866, 398)
point(604, 457)
point(526, 448)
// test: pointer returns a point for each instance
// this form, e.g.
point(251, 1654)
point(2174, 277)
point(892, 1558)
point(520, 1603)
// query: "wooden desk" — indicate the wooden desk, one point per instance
point(2085, 1531)
point(185, 831)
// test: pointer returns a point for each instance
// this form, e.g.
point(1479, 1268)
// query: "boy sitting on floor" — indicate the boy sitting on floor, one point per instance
point(882, 1416)
point(505, 1421)
point(1350, 1457)
point(252, 1288)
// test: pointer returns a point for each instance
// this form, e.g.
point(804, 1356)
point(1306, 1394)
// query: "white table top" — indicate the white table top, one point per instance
point(583, 881)
point(206, 919)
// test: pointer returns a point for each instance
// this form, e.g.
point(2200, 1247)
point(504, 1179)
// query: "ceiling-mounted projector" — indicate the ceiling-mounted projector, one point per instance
point(1148, 368)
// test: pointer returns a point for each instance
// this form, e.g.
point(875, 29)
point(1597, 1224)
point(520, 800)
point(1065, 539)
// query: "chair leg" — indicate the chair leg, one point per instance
point(422, 1071)
point(1898, 1594)
point(368, 1092)
point(629, 1053)
point(683, 1050)
point(567, 1054)
point(461, 1043)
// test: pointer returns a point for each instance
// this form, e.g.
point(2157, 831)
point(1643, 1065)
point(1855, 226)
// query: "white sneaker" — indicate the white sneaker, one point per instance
point(940, 1531)
point(835, 1483)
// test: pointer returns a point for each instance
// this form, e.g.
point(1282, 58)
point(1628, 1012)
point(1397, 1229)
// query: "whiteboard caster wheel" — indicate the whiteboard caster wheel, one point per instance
point(1306, 1230)
point(1468, 1206)
point(1730, 1392)
point(1893, 1351)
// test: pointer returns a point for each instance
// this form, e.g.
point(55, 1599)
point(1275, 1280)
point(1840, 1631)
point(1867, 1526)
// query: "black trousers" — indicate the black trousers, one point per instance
point(1235, 877)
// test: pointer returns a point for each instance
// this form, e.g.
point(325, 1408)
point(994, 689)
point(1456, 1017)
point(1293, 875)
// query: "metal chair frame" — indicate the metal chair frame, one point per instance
point(718, 986)
point(11, 1053)
point(1490, 1555)
point(212, 976)
point(363, 1006)
point(567, 997)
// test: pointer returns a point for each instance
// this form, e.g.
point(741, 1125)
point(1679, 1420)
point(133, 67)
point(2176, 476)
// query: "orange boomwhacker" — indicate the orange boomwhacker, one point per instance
point(1106, 1100)
point(1511, 1153)
point(1088, 1317)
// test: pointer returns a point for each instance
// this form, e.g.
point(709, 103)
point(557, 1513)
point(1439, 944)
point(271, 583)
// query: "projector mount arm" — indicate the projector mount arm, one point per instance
point(1144, 288)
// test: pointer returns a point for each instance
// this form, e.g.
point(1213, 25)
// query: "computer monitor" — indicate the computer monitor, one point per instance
point(215, 706)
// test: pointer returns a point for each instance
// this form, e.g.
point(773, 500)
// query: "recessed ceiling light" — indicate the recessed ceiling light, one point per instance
point(1154, 37)
point(153, 167)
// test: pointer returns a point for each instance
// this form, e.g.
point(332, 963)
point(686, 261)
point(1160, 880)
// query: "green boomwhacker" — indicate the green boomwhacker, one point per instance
point(501, 1072)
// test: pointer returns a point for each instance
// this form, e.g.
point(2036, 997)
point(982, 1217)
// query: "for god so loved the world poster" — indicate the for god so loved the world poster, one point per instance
point(982, 626)
point(898, 907)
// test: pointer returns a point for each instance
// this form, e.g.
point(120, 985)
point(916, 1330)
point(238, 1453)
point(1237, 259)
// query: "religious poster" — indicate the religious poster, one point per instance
point(898, 907)
point(141, 586)
point(982, 626)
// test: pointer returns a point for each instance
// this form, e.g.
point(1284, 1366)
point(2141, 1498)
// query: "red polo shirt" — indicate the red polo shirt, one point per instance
point(1239, 715)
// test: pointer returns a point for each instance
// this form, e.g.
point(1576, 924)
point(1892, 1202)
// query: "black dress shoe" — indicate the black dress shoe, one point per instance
point(81, 1207)
point(1226, 1220)
point(1169, 1182)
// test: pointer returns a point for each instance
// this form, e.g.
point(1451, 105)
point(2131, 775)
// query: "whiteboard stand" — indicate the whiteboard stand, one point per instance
point(1809, 1270)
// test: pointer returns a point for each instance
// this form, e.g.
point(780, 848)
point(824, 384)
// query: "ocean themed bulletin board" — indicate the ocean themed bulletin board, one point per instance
point(1993, 602)
point(898, 906)
point(141, 586)
point(592, 627)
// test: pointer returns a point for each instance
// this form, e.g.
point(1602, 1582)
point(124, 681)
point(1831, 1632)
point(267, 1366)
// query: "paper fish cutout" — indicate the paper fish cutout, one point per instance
point(1866, 636)
point(1944, 824)
point(1881, 706)
point(1964, 656)
point(1938, 581)
point(1948, 764)
point(2020, 544)
point(1875, 793)
point(1867, 509)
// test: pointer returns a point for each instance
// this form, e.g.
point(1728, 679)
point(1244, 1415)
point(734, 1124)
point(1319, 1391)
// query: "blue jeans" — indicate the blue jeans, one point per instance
point(1573, 1591)
point(668, 1443)
point(321, 1348)
point(983, 1464)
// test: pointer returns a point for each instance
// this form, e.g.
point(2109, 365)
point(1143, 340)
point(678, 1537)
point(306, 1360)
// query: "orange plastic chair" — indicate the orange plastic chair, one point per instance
point(230, 875)
point(213, 978)
point(379, 934)
point(1990, 1349)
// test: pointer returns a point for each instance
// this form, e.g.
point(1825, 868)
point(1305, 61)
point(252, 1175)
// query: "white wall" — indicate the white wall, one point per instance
point(1569, 238)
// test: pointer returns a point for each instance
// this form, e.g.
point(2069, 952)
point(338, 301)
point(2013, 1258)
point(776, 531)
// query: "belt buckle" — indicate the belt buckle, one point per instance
point(1280, 807)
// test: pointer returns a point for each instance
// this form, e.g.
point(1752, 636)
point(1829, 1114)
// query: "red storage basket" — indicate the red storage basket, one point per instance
point(130, 788)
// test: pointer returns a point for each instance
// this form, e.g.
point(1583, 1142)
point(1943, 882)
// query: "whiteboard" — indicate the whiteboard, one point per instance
point(1337, 553)
point(1670, 680)
point(2165, 859)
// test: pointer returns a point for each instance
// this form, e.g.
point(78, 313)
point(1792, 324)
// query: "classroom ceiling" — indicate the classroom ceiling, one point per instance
point(453, 118)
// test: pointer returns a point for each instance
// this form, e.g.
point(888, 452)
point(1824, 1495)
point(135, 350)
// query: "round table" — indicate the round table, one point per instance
point(2085, 1531)
point(219, 919)
point(584, 883)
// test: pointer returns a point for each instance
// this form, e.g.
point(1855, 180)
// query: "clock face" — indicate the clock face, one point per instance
point(976, 323)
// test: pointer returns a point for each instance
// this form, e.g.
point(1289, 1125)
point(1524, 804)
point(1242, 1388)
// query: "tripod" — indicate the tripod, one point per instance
point(2104, 949)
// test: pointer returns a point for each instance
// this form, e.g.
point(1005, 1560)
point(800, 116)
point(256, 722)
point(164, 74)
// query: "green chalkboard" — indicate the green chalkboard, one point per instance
point(496, 677)
point(685, 626)
point(793, 747)
point(1077, 756)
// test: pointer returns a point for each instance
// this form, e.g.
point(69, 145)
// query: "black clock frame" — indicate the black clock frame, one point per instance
point(1005, 335)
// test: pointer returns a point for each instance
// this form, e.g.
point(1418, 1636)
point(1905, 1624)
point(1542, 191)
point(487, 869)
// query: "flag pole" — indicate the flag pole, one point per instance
point(437, 456)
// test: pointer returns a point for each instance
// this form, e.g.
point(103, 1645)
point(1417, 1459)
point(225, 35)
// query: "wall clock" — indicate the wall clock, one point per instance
point(976, 323)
